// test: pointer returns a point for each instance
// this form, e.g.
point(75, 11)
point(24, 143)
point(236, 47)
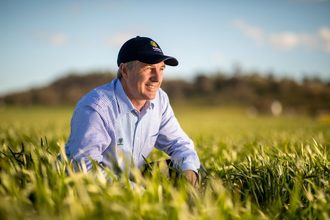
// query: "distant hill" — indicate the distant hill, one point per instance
point(259, 93)
point(64, 91)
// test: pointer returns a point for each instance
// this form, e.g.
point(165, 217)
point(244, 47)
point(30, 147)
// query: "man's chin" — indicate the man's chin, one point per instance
point(150, 96)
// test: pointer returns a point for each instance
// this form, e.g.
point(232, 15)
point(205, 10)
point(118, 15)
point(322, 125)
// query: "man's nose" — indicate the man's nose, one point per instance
point(156, 75)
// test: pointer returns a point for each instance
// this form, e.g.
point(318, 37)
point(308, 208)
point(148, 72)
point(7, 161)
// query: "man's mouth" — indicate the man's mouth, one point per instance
point(151, 86)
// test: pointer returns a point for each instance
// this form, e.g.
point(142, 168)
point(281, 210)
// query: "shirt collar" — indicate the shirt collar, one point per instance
point(125, 105)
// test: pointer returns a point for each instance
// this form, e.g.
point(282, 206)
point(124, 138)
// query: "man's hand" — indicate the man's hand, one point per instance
point(191, 177)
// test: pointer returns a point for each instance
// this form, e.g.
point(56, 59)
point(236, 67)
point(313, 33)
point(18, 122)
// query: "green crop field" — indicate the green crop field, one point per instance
point(258, 167)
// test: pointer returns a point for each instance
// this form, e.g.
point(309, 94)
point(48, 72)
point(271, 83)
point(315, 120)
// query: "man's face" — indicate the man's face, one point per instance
point(141, 81)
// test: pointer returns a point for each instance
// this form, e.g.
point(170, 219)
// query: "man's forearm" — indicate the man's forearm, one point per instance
point(192, 177)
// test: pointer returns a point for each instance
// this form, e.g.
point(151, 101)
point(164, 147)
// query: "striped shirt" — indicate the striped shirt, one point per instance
point(107, 128)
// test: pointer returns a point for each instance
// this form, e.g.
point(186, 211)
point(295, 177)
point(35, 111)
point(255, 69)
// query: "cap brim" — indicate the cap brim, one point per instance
point(153, 59)
point(171, 61)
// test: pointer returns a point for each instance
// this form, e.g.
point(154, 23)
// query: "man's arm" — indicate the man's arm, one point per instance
point(89, 137)
point(192, 177)
point(174, 141)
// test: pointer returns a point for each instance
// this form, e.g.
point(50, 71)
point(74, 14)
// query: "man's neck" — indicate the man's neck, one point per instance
point(137, 103)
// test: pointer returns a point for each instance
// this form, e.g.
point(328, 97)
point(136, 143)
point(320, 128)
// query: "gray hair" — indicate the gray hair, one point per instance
point(129, 65)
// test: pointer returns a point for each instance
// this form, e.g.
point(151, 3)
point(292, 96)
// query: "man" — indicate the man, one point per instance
point(119, 123)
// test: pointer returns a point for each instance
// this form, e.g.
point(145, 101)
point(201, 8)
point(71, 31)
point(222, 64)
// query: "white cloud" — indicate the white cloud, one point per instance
point(284, 40)
point(55, 39)
point(324, 34)
point(118, 39)
point(253, 32)
point(58, 39)
point(319, 40)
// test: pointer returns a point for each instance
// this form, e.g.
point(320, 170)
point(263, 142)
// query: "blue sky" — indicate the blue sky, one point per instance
point(43, 40)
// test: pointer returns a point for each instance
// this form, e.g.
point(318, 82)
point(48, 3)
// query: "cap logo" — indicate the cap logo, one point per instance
point(155, 46)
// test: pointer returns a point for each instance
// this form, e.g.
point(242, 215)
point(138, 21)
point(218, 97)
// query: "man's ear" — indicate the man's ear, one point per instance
point(123, 70)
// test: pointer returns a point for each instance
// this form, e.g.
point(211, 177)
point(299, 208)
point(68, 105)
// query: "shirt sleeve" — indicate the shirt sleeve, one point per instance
point(88, 138)
point(175, 142)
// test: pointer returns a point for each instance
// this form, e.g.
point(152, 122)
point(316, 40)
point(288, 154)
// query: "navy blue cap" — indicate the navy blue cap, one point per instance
point(144, 50)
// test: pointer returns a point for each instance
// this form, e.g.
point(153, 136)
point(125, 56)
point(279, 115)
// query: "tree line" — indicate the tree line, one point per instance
point(253, 90)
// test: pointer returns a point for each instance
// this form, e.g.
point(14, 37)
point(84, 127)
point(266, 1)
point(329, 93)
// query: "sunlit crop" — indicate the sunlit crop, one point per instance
point(257, 167)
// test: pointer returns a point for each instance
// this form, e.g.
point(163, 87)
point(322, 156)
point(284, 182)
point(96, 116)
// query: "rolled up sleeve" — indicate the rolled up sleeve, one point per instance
point(175, 142)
